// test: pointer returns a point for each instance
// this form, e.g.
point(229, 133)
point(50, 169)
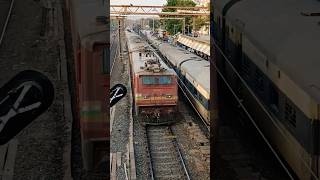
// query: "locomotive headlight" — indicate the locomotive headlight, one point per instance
point(168, 96)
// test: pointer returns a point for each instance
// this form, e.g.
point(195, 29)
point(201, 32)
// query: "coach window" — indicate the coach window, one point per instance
point(105, 61)
point(258, 81)
point(196, 93)
point(274, 99)
point(228, 40)
point(245, 67)
point(290, 113)
point(227, 32)
point(205, 102)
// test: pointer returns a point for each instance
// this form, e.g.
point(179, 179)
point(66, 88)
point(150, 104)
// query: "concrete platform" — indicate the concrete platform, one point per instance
point(35, 40)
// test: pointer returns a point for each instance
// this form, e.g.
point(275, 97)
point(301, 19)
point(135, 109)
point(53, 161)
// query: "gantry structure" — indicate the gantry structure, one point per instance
point(125, 10)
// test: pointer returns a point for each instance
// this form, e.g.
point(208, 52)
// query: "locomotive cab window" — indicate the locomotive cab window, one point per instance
point(164, 80)
point(148, 80)
point(156, 80)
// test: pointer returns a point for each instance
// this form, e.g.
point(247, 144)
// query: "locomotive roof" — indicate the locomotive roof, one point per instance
point(287, 37)
point(136, 44)
point(86, 12)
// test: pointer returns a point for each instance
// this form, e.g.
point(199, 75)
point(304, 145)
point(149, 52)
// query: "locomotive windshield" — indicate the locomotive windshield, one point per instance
point(156, 80)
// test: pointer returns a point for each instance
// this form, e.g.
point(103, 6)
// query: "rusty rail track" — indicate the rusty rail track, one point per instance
point(165, 158)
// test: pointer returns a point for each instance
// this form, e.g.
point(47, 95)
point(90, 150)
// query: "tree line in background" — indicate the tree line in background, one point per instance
point(176, 25)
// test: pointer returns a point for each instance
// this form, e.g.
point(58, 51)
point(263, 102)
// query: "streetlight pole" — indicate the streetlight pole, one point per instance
point(188, 29)
point(153, 24)
point(184, 26)
point(193, 25)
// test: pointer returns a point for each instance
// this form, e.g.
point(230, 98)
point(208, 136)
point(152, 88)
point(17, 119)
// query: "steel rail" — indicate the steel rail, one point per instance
point(177, 150)
point(150, 156)
point(180, 155)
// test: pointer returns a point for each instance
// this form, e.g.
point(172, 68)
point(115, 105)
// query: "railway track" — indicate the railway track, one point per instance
point(166, 161)
point(6, 7)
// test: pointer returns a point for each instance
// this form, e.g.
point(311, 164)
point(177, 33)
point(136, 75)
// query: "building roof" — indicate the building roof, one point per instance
point(201, 44)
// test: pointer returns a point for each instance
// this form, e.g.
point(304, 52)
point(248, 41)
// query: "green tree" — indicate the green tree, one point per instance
point(201, 21)
point(174, 25)
point(156, 23)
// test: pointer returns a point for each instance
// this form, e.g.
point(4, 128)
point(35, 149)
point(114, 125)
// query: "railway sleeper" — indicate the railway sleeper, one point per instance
point(159, 156)
point(167, 171)
point(160, 142)
point(161, 151)
point(171, 168)
point(163, 162)
point(160, 148)
point(162, 158)
point(159, 136)
point(157, 129)
point(175, 163)
point(172, 177)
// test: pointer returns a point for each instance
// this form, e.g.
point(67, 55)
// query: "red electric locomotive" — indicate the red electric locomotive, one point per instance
point(89, 41)
point(155, 88)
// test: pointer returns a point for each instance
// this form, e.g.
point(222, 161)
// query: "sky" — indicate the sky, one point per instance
point(138, 2)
